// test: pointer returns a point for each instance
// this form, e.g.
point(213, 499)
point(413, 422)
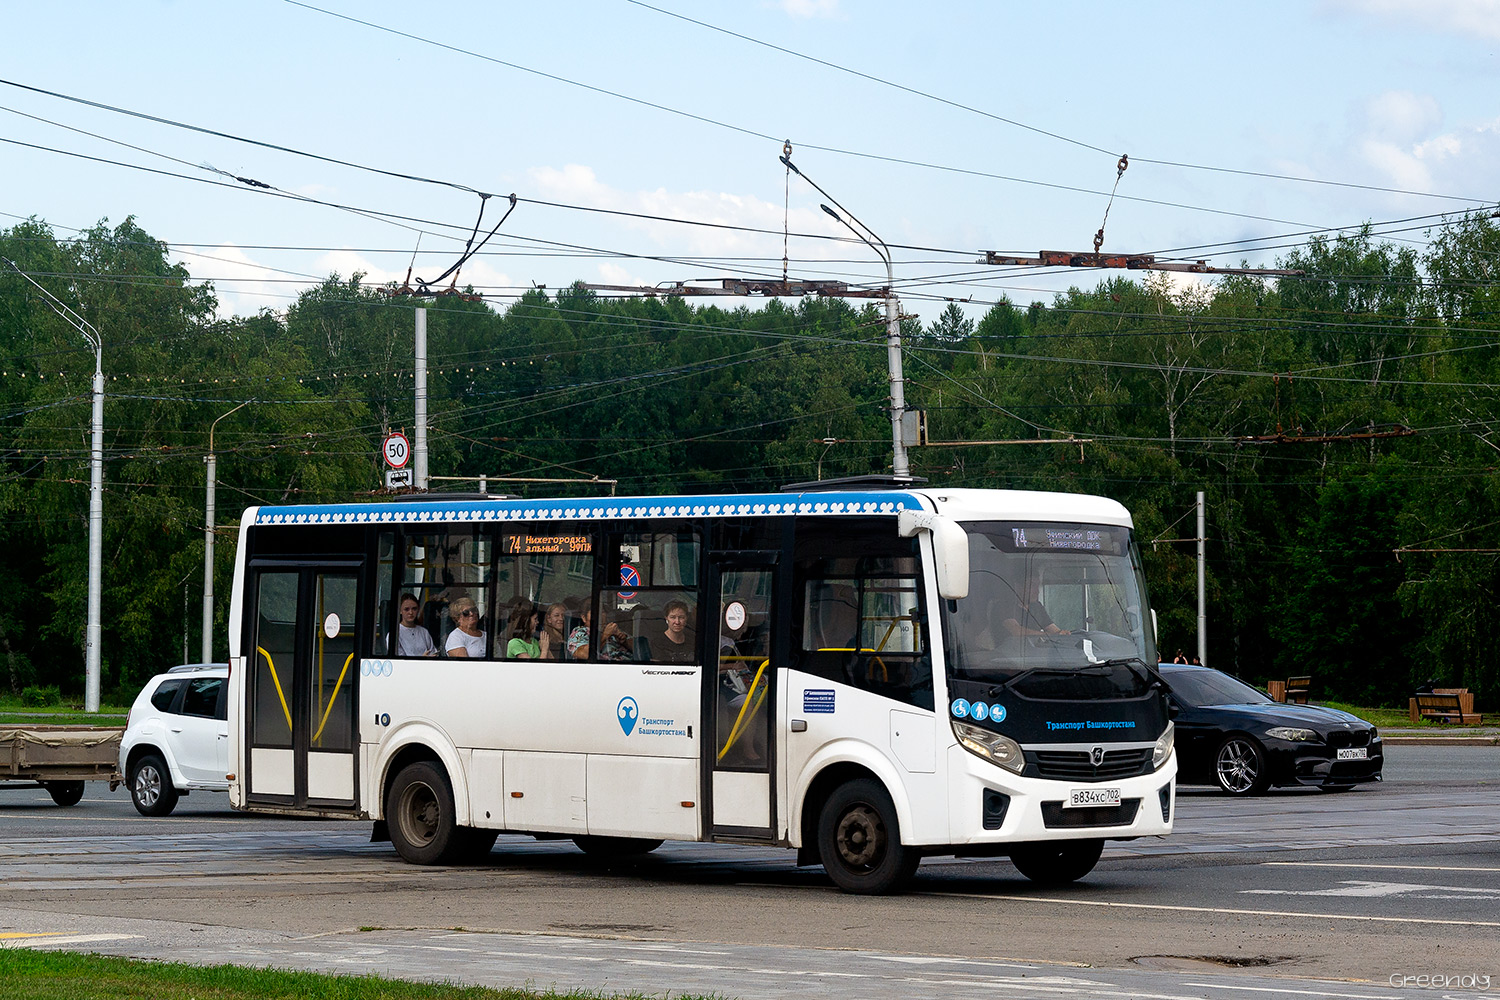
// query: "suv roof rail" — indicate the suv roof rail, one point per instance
point(187, 668)
point(873, 482)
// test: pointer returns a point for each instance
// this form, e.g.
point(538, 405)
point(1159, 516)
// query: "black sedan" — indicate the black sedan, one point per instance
point(1231, 735)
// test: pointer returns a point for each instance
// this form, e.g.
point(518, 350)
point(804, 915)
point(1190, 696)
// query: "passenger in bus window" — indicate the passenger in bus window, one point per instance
point(578, 639)
point(521, 633)
point(615, 643)
point(676, 644)
point(553, 638)
point(467, 639)
point(412, 638)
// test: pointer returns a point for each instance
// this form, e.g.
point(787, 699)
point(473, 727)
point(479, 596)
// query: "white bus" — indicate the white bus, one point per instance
point(867, 675)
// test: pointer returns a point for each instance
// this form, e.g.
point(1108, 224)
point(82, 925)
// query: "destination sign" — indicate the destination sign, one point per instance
point(526, 545)
point(1065, 537)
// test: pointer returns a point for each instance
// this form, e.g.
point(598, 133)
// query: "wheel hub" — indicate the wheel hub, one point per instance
point(861, 838)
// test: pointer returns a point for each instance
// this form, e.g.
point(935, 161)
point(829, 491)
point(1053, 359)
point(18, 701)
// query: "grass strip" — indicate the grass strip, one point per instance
point(61, 975)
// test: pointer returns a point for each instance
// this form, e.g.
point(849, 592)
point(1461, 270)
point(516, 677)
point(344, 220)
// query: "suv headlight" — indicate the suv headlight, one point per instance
point(1293, 735)
point(991, 746)
point(1163, 748)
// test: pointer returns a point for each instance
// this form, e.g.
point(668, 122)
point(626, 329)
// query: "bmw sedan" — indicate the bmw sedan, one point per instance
point(1232, 736)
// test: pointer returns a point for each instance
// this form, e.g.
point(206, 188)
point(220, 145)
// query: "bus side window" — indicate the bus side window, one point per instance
point(858, 615)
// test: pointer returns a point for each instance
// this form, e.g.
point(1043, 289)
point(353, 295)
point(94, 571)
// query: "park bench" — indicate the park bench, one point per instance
point(1293, 689)
point(1445, 705)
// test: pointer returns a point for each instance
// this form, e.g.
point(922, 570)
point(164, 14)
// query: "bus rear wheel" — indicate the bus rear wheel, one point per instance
point(1057, 862)
point(859, 840)
point(419, 814)
point(615, 847)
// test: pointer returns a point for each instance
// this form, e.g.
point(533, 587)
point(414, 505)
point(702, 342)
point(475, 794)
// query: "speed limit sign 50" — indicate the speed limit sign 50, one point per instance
point(397, 451)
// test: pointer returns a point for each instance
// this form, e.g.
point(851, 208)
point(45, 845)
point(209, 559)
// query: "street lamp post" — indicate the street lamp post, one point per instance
point(899, 464)
point(93, 632)
point(210, 513)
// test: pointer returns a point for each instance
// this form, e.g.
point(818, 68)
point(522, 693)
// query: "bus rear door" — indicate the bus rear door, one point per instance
point(740, 702)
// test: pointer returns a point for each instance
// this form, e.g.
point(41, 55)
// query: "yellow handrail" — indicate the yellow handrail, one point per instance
point(333, 698)
point(277, 681)
point(753, 700)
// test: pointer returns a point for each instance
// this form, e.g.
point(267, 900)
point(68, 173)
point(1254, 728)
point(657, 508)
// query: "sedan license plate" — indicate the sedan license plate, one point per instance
point(1353, 753)
point(1086, 798)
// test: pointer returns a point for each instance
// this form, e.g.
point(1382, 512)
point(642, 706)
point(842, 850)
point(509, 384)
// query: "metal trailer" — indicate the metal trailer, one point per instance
point(60, 758)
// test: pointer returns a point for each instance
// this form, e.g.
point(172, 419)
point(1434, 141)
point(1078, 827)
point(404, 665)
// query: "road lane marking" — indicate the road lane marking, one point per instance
point(1355, 887)
point(1362, 864)
point(1232, 911)
point(1300, 993)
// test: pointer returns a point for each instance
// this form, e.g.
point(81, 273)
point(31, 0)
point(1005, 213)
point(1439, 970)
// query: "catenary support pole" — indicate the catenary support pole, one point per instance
point(210, 513)
point(419, 447)
point(94, 634)
point(1202, 604)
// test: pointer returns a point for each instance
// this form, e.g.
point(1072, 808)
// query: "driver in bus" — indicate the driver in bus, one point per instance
point(412, 638)
point(1028, 617)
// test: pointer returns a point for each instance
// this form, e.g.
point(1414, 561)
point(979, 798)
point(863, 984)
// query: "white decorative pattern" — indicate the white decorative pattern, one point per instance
point(548, 510)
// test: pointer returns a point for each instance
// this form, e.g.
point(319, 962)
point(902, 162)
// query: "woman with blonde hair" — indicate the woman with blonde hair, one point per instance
point(466, 639)
point(553, 637)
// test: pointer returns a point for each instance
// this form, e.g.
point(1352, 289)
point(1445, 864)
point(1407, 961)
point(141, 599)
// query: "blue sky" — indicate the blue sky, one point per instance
point(1389, 94)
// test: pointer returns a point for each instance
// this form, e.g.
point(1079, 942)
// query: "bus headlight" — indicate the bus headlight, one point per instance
point(1163, 748)
point(991, 746)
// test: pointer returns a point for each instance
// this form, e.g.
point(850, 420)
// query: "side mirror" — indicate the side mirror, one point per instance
point(1173, 709)
point(950, 549)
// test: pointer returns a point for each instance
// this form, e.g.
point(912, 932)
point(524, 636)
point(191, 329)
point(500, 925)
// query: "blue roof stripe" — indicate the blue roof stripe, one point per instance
point(597, 509)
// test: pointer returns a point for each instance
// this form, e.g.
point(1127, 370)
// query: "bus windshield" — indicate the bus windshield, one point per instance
point(1048, 600)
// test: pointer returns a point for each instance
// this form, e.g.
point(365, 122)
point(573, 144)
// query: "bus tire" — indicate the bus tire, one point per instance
point(859, 840)
point(64, 793)
point(151, 788)
point(615, 847)
point(419, 813)
point(1057, 862)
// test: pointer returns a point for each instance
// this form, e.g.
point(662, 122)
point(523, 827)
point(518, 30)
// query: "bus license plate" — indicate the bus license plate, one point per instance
point(1086, 798)
point(1353, 753)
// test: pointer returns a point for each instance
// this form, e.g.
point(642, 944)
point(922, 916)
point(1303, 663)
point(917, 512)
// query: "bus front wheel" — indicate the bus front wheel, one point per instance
point(419, 814)
point(1057, 862)
point(859, 840)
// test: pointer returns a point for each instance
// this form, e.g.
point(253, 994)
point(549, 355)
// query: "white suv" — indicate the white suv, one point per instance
point(177, 737)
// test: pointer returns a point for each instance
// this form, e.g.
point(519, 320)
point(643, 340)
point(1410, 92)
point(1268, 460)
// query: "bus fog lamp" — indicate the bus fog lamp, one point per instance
point(1163, 748)
point(991, 746)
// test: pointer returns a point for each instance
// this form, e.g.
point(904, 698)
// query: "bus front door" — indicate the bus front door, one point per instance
point(300, 687)
point(742, 702)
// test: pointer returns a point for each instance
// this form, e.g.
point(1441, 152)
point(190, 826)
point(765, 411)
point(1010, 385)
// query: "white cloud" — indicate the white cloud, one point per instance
point(575, 184)
point(1470, 18)
point(244, 286)
point(1401, 139)
point(808, 9)
point(1401, 116)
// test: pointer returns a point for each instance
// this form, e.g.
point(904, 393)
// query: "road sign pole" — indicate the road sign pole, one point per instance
point(419, 469)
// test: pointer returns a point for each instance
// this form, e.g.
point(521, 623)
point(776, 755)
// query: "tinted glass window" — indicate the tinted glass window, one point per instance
point(166, 694)
point(202, 697)
point(1197, 688)
point(859, 617)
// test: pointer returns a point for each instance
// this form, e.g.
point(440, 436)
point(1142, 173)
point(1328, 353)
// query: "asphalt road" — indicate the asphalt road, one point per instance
point(1294, 893)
